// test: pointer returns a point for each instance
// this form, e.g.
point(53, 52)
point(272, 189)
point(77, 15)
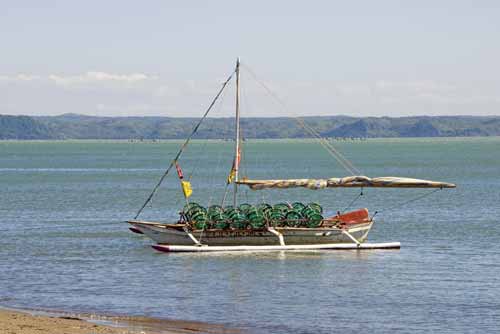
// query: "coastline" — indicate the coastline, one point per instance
point(21, 321)
point(250, 140)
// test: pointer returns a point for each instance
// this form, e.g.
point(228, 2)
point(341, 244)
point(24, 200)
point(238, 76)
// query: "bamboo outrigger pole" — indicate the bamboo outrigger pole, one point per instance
point(237, 121)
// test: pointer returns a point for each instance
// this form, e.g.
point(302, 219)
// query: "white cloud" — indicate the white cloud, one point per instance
point(106, 93)
point(95, 77)
point(85, 78)
point(19, 77)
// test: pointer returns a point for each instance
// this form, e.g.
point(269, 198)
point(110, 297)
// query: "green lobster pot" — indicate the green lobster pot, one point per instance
point(297, 206)
point(314, 220)
point(256, 218)
point(265, 210)
point(307, 211)
point(312, 217)
point(238, 220)
point(244, 207)
point(316, 207)
point(200, 220)
point(198, 213)
point(190, 207)
point(283, 207)
point(192, 210)
point(228, 212)
point(277, 217)
point(231, 213)
point(293, 218)
point(213, 211)
point(215, 208)
point(219, 221)
point(264, 207)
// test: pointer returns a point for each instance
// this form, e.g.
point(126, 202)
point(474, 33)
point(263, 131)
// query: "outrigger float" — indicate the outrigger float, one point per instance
point(263, 227)
point(337, 246)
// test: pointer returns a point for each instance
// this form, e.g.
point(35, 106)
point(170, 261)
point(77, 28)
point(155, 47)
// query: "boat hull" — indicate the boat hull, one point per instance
point(166, 234)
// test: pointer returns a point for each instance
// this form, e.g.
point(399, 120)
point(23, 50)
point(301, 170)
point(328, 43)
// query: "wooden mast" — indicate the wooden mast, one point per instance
point(237, 146)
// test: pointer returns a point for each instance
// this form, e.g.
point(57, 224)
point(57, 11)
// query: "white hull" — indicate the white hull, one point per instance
point(166, 234)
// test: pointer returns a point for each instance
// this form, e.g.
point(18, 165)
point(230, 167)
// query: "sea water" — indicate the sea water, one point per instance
point(63, 243)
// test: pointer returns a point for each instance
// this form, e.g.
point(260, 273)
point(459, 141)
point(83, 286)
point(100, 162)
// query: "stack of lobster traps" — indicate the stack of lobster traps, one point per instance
point(247, 216)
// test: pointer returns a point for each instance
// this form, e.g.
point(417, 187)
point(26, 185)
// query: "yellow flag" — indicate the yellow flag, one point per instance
point(231, 176)
point(186, 188)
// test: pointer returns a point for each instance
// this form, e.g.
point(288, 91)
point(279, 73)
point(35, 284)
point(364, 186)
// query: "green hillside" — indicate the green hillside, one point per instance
point(24, 127)
point(73, 126)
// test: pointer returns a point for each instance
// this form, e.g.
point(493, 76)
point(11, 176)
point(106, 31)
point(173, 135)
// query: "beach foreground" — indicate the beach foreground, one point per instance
point(14, 322)
point(19, 322)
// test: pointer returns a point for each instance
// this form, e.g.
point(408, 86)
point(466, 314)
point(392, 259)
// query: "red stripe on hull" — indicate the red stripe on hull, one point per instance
point(135, 230)
point(161, 248)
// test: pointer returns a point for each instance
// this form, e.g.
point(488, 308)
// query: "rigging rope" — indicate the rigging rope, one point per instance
point(408, 201)
point(354, 200)
point(329, 147)
point(155, 189)
point(225, 194)
point(205, 142)
point(344, 162)
point(211, 182)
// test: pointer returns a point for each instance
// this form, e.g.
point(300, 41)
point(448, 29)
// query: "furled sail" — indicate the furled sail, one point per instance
point(349, 181)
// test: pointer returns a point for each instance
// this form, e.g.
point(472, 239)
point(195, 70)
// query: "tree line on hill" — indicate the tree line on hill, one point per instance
point(73, 126)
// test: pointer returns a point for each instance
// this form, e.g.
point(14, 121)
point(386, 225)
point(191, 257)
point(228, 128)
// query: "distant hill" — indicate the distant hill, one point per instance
point(74, 126)
point(24, 127)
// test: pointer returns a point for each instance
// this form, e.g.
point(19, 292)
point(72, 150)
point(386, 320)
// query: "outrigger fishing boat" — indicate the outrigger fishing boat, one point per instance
point(279, 226)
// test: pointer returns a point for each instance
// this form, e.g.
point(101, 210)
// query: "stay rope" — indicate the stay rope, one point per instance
point(353, 201)
point(155, 189)
point(211, 182)
point(411, 200)
point(205, 141)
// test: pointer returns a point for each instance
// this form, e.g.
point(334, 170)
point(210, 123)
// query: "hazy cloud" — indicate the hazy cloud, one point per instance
point(85, 78)
point(19, 77)
point(113, 94)
point(95, 77)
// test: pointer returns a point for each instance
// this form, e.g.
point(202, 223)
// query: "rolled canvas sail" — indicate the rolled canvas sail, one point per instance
point(348, 182)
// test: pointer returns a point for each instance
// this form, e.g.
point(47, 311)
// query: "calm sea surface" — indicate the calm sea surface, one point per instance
point(63, 246)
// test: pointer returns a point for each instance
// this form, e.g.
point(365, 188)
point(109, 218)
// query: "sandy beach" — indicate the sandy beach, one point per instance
point(23, 322)
point(14, 322)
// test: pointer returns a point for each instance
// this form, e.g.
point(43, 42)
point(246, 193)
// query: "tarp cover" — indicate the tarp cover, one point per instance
point(349, 181)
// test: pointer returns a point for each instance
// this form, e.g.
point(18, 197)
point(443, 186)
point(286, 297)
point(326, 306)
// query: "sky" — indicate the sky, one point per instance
point(169, 58)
